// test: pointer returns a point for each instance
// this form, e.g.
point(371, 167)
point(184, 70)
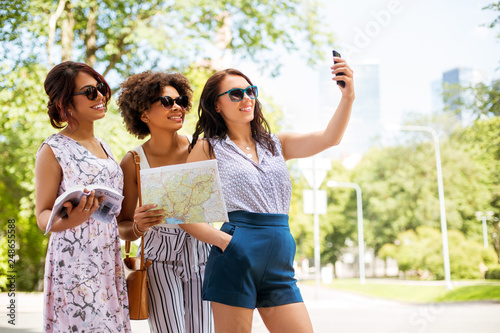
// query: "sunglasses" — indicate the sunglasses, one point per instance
point(91, 92)
point(237, 94)
point(168, 102)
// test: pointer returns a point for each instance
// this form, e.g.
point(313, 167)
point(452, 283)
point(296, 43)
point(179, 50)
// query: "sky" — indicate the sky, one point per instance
point(414, 42)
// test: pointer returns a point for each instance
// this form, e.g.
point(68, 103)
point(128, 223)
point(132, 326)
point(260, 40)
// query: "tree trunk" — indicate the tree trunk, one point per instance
point(52, 28)
point(67, 33)
point(91, 37)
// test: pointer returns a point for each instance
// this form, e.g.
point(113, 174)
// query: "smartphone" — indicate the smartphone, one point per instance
point(340, 83)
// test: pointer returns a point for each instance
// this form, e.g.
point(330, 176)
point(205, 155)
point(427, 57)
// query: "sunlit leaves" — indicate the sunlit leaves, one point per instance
point(130, 34)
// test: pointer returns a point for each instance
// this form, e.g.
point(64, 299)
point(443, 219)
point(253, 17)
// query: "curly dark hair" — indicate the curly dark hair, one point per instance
point(60, 86)
point(139, 90)
point(211, 123)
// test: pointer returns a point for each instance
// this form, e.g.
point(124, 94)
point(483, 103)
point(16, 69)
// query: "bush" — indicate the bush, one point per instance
point(419, 252)
point(493, 272)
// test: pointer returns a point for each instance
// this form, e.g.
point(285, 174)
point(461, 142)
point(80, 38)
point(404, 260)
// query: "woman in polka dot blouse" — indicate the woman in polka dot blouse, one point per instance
point(251, 261)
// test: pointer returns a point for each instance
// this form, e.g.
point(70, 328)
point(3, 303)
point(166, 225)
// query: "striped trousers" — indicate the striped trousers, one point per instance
point(175, 304)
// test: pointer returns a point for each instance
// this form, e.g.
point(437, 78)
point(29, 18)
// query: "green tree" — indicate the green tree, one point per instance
point(301, 224)
point(124, 36)
point(400, 187)
point(23, 128)
point(495, 7)
point(340, 222)
point(419, 253)
point(336, 226)
point(482, 142)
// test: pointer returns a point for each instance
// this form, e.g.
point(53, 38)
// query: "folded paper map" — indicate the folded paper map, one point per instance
point(187, 193)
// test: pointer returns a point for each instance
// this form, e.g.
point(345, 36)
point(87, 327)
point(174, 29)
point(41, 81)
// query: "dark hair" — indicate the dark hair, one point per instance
point(60, 86)
point(211, 123)
point(139, 90)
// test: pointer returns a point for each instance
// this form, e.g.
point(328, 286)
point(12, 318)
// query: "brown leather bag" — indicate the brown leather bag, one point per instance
point(137, 279)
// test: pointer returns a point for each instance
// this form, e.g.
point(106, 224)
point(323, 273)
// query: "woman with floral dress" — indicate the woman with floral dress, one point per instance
point(84, 282)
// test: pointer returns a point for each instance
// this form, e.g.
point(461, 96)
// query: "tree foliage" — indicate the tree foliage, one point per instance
point(400, 186)
point(482, 141)
point(340, 223)
point(301, 224)
point(23, 128)
point(125, 36)
point(419, 253)
point(495, 6)
point(336, 226)
point(483, 100)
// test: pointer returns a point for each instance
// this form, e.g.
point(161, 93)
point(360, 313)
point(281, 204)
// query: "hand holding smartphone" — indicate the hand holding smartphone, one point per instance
point(340, 83)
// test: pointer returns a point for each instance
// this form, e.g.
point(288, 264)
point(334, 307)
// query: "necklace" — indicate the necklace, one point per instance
point(246, 149)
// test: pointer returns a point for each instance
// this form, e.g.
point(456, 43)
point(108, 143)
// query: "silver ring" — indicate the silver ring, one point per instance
point(87, 209)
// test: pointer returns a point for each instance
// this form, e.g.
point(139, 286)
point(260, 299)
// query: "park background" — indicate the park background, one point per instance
point(285, 47)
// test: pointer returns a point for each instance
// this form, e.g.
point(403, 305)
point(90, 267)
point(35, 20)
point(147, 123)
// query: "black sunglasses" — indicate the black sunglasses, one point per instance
point(237, 94)
point(168, 102)
point(91, 92)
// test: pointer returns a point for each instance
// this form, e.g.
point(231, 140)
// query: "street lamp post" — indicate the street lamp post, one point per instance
point(361, 241)
point(444, 228)
point(481, 216)
point(315, 170)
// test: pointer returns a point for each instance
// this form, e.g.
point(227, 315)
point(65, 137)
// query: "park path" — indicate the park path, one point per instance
point(331, 311)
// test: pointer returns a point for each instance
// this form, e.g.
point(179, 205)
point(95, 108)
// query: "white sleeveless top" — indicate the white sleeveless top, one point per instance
point(165, 242)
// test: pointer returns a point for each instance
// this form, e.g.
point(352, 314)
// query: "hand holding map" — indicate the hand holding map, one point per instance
point(187, 193)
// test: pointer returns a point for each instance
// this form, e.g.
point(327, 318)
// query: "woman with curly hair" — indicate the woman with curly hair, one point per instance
point(251, 261)
point(84, 282)
point(155, 104)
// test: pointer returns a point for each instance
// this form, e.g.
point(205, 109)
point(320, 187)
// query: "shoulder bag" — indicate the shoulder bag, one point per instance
point(137, 280)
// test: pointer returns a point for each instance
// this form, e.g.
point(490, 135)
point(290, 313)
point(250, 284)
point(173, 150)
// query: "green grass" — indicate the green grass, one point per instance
point(420, 292)
point(471, 293)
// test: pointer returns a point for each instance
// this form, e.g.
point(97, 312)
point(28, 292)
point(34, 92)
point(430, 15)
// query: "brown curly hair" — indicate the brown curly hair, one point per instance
point(139, 90)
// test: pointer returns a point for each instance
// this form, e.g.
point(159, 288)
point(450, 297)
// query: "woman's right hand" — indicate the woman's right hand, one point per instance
point(225, 241)
point(86, 207)
point(145, 217)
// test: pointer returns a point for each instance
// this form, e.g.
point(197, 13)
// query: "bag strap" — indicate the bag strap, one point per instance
point(137, 161)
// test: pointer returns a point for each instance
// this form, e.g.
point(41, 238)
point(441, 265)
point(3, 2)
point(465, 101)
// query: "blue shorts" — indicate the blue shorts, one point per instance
point(256, 269)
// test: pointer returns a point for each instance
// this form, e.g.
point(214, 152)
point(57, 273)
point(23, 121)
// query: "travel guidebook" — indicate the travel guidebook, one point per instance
point(187, 193)
point(107, 209)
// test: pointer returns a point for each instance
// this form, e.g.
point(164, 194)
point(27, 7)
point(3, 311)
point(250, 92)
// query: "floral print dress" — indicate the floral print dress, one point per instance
point(84, 282)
